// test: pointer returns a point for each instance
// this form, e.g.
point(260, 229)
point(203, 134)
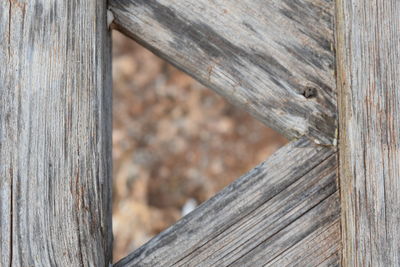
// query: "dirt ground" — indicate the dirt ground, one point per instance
point(175, 142)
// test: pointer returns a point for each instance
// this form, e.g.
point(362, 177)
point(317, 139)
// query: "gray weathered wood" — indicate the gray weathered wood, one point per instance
point(321, 248)
point(287, 201)
point(55, 133)
point(263, 56)
point(317, 219)
point(368, 34)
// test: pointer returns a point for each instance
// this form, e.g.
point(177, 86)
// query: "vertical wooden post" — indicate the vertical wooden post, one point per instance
point(55, 133)
point(368, 50)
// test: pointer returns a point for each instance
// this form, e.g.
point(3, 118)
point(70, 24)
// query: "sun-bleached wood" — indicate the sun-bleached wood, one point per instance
point(272, 58)
point(321, 248)
point(368, 47)
point(55, 133)
point(275, 213)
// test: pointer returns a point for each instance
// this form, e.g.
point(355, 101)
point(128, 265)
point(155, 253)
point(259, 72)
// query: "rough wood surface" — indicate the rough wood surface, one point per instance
point(272, 58)
point(368, 34)
point(279, 209)
point(321, 248)
point(55, 133)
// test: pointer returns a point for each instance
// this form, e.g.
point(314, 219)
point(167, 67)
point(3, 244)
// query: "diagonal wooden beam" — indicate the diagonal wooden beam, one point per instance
point(321, 248)
point(274, 213)
point(271, 58)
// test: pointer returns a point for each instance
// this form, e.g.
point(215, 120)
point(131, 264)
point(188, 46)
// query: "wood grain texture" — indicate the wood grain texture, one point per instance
point(321, 248)
point(368, 34)
point(55, 133)
point(272, 58)
point(282, 207)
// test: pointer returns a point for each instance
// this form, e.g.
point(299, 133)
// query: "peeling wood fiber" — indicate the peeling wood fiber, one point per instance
point(55, 133)
point(263, 56)
point(368, 47)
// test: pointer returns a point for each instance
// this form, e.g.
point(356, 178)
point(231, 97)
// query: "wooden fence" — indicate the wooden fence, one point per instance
point(287, 62)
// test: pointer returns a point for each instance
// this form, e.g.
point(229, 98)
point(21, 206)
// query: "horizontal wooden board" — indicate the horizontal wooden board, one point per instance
point(282, 204)
point(273, 58)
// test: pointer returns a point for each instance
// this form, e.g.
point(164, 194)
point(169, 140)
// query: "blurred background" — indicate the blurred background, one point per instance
point(175, 144)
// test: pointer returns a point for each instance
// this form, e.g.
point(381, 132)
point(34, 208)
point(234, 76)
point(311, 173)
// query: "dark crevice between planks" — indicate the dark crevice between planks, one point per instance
point(9, 28)
point(11, 168)
point(11, 227)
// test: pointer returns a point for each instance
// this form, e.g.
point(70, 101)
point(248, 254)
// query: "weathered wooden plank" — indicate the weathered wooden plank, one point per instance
point(369, 78)
point(321, 248)
point(55, 133)
point(316, 219)
point(294, 187)
point(271, 58)
point(260, 232)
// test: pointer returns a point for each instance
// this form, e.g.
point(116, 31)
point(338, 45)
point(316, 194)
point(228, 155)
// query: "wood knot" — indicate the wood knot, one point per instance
point(310, 92)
